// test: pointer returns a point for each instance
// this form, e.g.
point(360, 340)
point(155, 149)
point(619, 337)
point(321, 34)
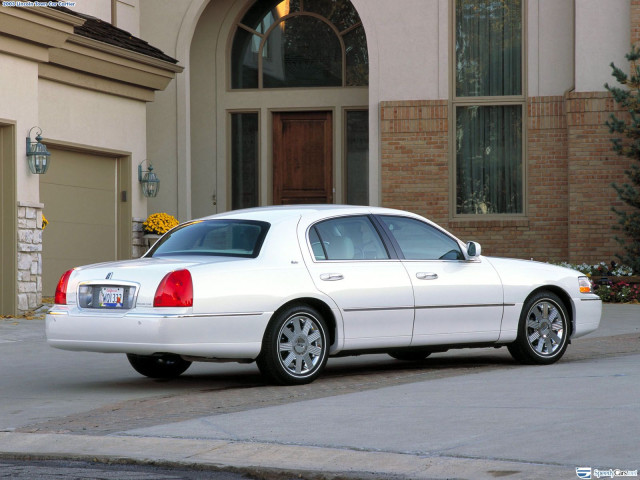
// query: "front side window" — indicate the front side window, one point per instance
point(346, 238)
point(420, 241)
point(226, 238)
point(488, 107)
point(290, 43)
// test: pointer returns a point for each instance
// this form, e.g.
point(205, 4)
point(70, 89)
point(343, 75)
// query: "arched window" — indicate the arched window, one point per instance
point(299, 43)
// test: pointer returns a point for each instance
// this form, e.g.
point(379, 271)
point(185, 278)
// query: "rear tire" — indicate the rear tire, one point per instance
point(158, 366)
point(295, 347)
point(543, 330)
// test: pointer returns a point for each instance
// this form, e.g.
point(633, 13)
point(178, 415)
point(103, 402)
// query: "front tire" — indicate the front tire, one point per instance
point(543, 330)
point(295, 347)
point(158, 366)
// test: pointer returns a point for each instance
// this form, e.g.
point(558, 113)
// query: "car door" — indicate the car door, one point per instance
point(456, 300)
point(351, 264)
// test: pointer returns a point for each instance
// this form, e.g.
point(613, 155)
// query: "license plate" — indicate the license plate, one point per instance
point(111, 297)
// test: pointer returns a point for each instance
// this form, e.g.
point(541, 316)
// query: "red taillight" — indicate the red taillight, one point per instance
point(175, 290)
point(61, 288)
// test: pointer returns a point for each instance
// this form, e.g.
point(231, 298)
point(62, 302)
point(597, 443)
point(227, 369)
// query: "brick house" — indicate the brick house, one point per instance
point(413, 114)
point(487, 116)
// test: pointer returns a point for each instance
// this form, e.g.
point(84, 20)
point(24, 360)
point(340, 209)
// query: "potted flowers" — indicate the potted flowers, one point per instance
point(157, 224)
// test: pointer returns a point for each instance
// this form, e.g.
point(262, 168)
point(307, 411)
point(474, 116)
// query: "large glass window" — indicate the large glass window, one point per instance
point(488, 48)
point(244, 160)
point(303, 52)
point(289, 43)
point(489, 159)
point(357, 157)
point(488, 107)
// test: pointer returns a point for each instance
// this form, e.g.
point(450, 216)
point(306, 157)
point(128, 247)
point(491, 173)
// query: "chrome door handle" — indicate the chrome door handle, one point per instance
point(426, 276)
point(331, 277)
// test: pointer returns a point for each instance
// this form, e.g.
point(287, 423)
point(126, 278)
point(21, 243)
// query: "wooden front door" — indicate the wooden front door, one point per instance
point(302, 158)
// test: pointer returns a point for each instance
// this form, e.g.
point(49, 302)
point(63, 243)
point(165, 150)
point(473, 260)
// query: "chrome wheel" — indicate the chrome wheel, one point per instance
point(543, 332)
point(300, 344)
point(545, 327)
point(295, 347)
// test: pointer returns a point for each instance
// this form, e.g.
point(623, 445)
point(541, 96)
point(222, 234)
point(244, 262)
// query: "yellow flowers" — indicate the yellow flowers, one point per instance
point(45, 222)
point(159, 223)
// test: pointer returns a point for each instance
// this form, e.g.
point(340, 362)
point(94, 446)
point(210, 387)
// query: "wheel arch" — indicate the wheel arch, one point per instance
point(564, 297)
point(323, 308)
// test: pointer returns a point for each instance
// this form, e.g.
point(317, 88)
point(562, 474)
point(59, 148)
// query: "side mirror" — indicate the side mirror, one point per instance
point(474, 250)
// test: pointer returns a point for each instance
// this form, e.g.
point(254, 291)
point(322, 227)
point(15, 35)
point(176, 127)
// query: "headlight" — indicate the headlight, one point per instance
point(585, 284)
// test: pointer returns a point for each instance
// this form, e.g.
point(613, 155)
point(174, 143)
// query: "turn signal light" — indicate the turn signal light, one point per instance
point(175, 290)
point(61, 288)
point(585, 284)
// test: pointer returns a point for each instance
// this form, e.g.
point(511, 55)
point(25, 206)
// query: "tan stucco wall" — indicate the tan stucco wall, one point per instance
point(19, 105)
point(163, 24)
point(127, 12)
point(95, 120)
point(408, 45)
point(550, 47)
point(128, 16)
point(96, 8)
point(602, 36)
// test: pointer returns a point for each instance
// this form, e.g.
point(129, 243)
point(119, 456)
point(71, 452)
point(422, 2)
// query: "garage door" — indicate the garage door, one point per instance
point(80, 203)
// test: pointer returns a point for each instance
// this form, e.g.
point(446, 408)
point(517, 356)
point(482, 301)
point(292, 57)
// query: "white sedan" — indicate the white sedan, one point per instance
point(287, 287)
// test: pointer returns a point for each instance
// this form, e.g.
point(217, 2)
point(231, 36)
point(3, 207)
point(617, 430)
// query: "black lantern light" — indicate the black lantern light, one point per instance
point(37, 154)
point(149, 180)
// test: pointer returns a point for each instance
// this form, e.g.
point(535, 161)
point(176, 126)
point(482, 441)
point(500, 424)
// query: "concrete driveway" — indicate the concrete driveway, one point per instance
point(466, 414)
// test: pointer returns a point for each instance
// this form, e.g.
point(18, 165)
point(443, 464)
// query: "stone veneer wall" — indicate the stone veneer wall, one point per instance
point(138, 242)
point(29, 256)
point(569, 169)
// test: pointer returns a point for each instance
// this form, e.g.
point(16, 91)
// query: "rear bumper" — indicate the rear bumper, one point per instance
point(220, 336)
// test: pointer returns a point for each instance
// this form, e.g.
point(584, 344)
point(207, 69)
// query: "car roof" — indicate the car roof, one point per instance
point(285, 212)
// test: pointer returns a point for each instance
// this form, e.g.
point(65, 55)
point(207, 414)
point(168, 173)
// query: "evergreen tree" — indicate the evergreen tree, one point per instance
point(627, 96)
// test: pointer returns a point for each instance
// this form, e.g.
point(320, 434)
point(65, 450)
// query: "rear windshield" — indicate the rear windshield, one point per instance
point(228, 238)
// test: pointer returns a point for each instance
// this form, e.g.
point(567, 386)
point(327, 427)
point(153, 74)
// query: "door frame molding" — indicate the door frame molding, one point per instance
point(8, 220)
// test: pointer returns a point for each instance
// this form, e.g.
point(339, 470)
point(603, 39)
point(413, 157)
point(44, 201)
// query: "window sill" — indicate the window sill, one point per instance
point(493, 222)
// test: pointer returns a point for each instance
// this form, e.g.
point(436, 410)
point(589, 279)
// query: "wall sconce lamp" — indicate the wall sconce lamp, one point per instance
point(37, 154)
point(149, 180)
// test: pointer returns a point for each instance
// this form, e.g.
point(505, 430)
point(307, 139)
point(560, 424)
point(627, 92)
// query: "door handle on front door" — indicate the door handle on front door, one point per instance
point(426, 276)
point(331, 277)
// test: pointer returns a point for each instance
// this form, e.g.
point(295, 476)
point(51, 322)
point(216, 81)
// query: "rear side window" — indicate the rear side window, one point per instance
point(228, 238)
point(346, 238)
point(420, 241)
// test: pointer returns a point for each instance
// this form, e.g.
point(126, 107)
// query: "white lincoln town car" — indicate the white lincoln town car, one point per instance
point(288, 287)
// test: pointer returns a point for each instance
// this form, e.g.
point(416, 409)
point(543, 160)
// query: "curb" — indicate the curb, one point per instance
point(265, 460)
